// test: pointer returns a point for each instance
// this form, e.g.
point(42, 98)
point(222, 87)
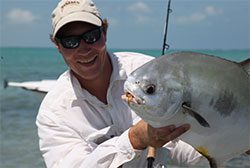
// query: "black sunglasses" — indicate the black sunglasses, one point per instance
point(89, 37)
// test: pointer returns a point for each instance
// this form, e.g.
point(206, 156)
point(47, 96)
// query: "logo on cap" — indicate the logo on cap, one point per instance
point(71, 3)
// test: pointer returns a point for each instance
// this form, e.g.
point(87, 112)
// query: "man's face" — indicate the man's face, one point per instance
point(87, 60)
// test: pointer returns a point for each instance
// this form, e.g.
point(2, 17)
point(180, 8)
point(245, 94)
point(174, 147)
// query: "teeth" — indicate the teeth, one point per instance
point(87, 61)
point(129, 97)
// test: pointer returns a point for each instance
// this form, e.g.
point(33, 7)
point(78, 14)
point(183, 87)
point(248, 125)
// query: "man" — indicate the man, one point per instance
point(82, 121)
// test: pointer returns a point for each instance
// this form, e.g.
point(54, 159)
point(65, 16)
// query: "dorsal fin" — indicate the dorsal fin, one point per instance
point(246, 65)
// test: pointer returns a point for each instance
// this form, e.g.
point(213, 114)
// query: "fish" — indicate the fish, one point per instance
point(210, 93)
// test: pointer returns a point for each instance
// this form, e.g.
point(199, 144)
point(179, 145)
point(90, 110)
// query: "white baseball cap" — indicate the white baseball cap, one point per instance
point(74, 10)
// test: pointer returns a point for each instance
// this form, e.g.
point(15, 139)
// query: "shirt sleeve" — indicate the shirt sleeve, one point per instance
point(63, 147)
point(184, 154)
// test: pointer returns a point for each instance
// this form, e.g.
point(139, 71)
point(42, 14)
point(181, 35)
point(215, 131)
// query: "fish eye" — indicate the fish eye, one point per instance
point(150, 89)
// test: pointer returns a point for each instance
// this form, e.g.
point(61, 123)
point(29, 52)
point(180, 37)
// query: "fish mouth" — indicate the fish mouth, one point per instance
point(129, 97)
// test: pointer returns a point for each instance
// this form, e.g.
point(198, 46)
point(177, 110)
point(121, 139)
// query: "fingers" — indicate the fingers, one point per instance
point(178, 131)
point(143, 135)
point(160, 136)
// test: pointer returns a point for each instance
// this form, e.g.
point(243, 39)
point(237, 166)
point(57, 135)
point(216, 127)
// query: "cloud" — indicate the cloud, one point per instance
point(140, 11)
point(139, 7)
point(20, 16)
point(210, 10)
point(197, 17)
point(193, 18)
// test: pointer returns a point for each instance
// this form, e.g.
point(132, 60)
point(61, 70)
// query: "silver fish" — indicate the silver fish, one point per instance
point(210, 93)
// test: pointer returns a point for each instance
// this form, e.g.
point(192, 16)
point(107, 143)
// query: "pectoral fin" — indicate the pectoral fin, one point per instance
point(196, 115)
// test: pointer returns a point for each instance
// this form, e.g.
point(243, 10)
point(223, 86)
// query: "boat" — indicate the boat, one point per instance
point(43, 86)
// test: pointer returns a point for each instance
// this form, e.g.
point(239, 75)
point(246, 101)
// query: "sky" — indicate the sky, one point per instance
point(137, 24)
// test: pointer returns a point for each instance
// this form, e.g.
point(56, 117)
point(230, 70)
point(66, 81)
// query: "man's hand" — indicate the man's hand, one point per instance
point(143, 135)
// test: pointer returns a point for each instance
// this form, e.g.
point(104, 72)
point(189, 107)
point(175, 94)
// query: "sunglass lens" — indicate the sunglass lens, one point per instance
point(92, 36)
point(71, 42)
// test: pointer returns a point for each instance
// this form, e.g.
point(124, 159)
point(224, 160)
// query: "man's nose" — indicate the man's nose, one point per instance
point(84, 47)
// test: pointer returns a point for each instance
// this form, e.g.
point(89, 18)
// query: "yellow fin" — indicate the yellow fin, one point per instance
point(203, 151)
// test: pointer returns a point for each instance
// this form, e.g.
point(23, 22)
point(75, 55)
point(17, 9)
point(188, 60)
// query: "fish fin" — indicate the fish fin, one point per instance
point(246, 65)
point(196, 115)
point(204, 152)
point(212, 162)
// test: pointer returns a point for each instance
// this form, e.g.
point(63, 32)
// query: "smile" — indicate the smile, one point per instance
point(87, 61)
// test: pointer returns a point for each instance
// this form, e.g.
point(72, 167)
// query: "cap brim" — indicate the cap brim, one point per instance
point(79, 16)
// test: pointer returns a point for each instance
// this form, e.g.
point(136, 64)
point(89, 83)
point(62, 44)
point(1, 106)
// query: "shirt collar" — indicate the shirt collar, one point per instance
point(118, 72)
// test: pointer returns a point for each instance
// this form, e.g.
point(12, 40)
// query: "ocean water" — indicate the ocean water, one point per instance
point(18, 107)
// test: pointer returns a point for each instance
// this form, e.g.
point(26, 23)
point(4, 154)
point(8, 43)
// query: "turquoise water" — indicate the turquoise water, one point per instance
point(18, 107)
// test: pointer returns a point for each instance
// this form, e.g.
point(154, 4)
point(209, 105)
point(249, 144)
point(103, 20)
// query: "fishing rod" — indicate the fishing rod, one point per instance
point(166, 46)
point(151, 150)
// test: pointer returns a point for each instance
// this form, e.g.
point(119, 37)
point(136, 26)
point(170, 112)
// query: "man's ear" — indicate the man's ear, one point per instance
point(105, 26)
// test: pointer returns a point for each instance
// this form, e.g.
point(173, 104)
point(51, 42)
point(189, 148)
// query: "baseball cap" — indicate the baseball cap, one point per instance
point(74, 10)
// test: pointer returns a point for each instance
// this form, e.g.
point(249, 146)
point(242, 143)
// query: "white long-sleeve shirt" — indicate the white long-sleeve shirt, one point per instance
point(76, 130)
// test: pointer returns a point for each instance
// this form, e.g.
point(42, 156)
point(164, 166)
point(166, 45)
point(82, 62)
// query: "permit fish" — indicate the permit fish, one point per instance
point(212, 94)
